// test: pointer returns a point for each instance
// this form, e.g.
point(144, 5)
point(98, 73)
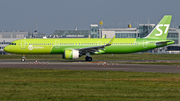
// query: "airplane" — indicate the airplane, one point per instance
point(73, 48)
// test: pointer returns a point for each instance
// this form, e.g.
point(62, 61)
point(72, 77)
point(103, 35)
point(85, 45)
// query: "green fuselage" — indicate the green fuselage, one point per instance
point(58, 45)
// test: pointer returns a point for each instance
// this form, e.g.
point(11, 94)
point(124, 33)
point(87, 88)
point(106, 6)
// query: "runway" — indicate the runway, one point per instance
point(93, 66)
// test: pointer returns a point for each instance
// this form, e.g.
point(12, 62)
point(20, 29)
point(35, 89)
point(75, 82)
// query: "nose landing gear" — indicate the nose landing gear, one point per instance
point(23, 58)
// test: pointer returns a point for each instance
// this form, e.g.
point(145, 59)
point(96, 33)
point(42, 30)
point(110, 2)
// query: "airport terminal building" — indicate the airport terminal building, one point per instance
point(71, 34)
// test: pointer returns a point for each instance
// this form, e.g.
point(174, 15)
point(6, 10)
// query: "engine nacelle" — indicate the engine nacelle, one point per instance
point(70, 54)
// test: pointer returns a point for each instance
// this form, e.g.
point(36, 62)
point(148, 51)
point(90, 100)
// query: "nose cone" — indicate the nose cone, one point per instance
point(6, 49)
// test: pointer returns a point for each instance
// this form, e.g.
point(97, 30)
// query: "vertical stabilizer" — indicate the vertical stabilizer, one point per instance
point(161, 29)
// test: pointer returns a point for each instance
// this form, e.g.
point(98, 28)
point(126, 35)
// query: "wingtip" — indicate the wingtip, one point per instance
point(111, 41)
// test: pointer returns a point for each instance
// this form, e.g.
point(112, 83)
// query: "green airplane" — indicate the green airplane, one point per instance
point(73, 48)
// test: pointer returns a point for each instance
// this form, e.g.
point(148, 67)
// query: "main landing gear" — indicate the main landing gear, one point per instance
point(23, 58)
point(88, 58)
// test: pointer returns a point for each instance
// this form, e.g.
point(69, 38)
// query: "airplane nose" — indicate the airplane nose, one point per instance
point(5, 49)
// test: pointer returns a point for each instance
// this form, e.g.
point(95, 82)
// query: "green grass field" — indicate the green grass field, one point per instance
point(47, 84)
point(100, 57)
point(62, 85)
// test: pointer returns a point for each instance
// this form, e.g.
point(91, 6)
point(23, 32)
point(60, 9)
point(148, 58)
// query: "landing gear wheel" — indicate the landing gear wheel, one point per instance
point(22, 59)
point(88, 58)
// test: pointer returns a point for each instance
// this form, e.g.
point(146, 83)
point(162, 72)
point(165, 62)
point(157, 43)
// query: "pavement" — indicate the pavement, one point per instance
point(95, 66)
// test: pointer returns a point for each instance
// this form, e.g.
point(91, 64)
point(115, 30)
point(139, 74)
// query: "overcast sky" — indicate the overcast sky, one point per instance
point(67, 14)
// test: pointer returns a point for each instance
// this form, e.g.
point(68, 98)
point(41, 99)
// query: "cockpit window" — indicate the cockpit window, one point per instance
point(12, 44)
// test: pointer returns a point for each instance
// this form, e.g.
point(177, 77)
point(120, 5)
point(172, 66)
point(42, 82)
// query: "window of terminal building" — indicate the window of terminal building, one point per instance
point(7, 42)
point(125, 35)
point(174, 37)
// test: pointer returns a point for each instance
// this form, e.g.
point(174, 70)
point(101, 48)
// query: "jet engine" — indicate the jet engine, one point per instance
point(71, 54)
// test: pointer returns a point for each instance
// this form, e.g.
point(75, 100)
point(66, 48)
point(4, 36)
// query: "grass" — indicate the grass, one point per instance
point(48, 84)
point(99, 57)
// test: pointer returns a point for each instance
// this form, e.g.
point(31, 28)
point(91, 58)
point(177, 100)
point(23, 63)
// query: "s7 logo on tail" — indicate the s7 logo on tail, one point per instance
point(160, 25)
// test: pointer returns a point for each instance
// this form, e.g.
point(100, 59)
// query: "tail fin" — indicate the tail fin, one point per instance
point(161, 29)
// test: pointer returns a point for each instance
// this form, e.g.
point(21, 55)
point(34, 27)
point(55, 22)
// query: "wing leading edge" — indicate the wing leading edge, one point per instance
point(95, 48)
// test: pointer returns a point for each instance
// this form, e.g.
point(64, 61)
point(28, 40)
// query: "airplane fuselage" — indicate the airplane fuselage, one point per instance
point(58, 45)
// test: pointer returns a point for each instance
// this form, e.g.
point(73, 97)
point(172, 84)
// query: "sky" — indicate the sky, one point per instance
point(54, 15)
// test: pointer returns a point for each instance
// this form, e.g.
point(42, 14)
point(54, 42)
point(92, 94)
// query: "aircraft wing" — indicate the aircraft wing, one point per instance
point(95, 48)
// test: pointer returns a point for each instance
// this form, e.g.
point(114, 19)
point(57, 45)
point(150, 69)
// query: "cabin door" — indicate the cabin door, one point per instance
point(144, 43)
point(57, 44)
point(99, 42)
point(23, 44)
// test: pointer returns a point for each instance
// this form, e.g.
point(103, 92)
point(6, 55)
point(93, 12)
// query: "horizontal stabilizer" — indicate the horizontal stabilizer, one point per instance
point(163, 42)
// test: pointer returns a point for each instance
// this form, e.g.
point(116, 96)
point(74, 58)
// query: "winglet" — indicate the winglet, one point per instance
point(103, 36)
point(111, 41)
